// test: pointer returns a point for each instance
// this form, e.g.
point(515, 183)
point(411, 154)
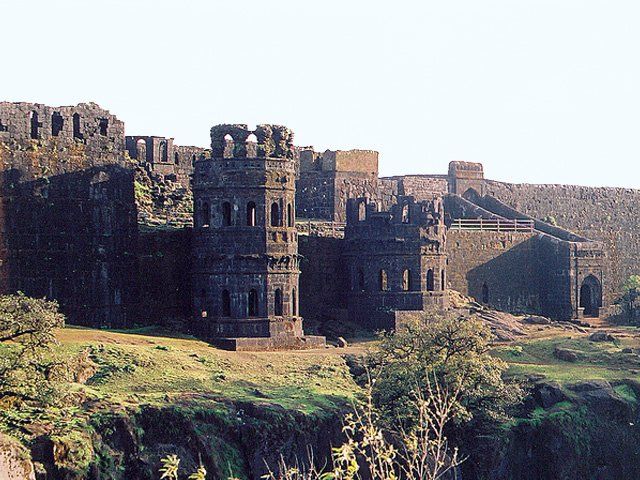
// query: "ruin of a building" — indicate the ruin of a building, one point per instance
point(137, 230)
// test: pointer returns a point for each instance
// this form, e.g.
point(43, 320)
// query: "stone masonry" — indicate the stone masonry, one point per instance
point(137, 230)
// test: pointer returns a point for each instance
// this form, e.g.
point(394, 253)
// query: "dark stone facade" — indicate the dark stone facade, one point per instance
point(108, 225)
point(68, 215)
point(245, 247)
point(395, 259)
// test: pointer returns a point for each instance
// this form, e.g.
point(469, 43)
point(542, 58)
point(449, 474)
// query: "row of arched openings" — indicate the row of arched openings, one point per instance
point(57, 124)
point(275, 218)
point(252, 303)
point(405, 212)
point(407, 280)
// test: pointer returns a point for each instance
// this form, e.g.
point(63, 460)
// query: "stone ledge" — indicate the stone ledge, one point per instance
point(248, 344)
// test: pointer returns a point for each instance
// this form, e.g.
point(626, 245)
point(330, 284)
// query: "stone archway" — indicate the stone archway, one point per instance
point(590, 296)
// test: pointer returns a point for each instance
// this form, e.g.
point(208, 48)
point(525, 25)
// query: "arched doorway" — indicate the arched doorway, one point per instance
point(590, 296)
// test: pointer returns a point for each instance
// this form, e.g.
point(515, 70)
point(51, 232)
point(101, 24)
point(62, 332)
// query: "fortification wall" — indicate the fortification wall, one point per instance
point(68, 214)
point(422, 187)
point(608, 215)
point(165, 275)
point(323, 276)
point(326, 181)
point(505, 262)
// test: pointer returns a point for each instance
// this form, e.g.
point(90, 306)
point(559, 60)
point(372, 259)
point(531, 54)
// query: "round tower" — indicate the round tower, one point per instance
point(246, 263)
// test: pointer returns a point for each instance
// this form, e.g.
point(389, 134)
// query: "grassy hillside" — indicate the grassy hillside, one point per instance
point(616, 360)
point(142, 395)
point(137, 367)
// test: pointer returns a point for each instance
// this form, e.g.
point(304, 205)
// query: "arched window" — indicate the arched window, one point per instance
point(275, 215)
point(77, 131)
point(406, 218)
point(294, 302)
point(277, 306)
point(141, 150)
point(485, 293)
point(226, 303)
point(362, 211)
point(176, 158)
point(57, 122)
point(443, 280)
point(383, 280)
point(229, 146)
point(431, 284)
point(163, 152)
point(406, 280)
point(251, 214)
point(35, 125)
point(226, 214)
point(205, 215)
point(290, 216)
point(253, 303)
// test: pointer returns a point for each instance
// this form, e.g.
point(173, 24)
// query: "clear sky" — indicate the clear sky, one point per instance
point(540, 91)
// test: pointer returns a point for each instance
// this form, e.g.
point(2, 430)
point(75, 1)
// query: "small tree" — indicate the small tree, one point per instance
point(26, 340)
point(453, 348)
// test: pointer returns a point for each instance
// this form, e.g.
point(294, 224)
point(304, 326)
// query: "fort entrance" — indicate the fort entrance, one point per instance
point(590, 296)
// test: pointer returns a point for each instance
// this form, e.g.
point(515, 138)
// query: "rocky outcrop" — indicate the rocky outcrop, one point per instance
point(15, 461)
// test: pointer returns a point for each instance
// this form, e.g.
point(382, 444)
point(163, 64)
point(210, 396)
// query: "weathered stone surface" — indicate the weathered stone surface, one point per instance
point(601, 337)
point(547, 394)
point(565, 354)
point(537, 320)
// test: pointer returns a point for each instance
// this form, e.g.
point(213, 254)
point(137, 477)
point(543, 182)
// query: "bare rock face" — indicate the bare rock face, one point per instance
point(15, 461)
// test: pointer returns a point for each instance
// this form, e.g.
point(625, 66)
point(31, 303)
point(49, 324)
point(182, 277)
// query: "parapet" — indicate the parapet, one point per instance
point(466, 170)
point(358, 161)
point(33, 121)
point(237, 141)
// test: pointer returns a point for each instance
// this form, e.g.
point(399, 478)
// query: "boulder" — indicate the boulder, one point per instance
point(537, 320)
point(603, 399)
point(565, 354)
point(601, 337)
point(547, 394)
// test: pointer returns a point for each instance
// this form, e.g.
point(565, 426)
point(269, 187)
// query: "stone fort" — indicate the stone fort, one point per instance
point(241, 241)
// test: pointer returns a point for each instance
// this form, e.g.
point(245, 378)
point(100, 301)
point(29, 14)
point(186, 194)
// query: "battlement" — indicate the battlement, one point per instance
point(360, 161)
point(406, 213)
point(21, 121)
point(466, 170)
point(237, 141)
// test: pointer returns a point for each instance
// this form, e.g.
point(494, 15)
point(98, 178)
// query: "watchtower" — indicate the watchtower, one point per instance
point(246, 263)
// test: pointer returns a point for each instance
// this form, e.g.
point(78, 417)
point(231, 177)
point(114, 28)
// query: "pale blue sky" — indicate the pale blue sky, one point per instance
point(540, 91)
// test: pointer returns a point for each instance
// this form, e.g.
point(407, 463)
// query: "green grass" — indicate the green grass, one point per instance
point(136, 368)
point(596, 360)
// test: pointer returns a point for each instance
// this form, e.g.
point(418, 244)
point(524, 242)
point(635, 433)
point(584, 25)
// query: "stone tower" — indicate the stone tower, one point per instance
point(246, 263)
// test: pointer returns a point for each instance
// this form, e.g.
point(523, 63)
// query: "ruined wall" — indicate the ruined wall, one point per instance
point(422, 187)
point(505, 262)
point(326, 181)
point(165, 275)
point(608, 215)
point(68, 217)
